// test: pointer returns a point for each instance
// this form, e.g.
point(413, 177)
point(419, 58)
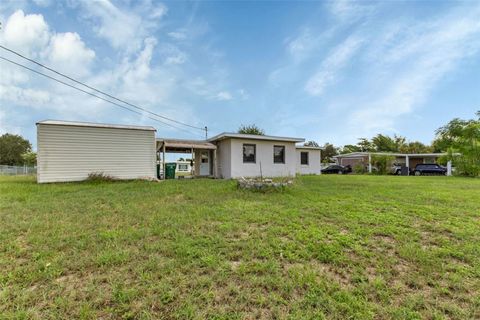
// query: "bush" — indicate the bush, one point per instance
point(99, 177)
point(359, 168)
point(382, 163)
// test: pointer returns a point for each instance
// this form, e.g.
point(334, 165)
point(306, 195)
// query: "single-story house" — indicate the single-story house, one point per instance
point(410, 160)
point(70, 151)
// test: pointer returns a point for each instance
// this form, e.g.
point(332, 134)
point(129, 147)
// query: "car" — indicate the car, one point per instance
point(429, 169)
point(396, 169)
point(338, 169)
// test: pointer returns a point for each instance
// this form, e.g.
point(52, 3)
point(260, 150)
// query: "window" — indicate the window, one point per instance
point(304, 158)
point(278, 154)
point(182, 167)
point(249, 153)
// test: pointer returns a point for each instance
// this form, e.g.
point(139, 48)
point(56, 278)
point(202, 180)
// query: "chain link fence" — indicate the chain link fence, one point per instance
point(17, 170)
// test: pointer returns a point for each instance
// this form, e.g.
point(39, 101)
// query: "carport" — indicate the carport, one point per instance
point(204, 155)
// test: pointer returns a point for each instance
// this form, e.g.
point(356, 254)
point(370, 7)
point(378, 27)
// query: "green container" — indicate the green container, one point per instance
point(158, 171)
point(170, 170)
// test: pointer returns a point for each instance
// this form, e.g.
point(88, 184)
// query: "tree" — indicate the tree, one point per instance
point(365, 145)
point(349, 148)
point(29, 158)
point(251, 129)
point(463, 137)
point(415, 147)
point(383, 143)
point(311, 144)
point(12, 147)
point(328, 152)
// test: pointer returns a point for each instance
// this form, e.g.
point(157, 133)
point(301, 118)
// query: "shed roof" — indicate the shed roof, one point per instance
point(96, 125)
point(230, 135)
point(308, 148)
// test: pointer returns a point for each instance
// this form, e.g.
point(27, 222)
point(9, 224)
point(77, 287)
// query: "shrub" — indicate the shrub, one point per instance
point(382, 163)
point(359, 168)
point(99, 177)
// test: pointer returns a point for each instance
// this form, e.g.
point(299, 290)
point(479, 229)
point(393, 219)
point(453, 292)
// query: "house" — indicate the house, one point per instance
point(70, 151)
point(409, 160)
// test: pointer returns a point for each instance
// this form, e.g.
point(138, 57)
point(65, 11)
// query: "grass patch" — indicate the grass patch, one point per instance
point(332, 247)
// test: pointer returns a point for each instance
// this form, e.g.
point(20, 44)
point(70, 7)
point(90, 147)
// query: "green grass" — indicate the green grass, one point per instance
point(332, 247)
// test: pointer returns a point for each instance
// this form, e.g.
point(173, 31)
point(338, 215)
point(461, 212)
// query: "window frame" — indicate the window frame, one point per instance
point(283, 154)
point(308, 158)
point(254, 152)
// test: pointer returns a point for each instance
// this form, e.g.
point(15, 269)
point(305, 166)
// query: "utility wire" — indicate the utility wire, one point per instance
point(99, 91)
point(93, 95)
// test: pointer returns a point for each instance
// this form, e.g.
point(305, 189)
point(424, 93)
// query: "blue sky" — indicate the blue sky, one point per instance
point(327, 71)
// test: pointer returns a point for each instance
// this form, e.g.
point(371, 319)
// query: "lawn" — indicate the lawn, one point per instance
point(333, 247)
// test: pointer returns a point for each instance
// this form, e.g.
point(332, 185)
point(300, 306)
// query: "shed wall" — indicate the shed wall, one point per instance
point(70, 153)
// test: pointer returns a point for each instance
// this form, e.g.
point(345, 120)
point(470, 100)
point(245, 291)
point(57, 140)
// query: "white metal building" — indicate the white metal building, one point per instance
point(70, 151)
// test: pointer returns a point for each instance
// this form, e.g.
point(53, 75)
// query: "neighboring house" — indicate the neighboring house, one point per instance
point(365, 158)
point(308, 160)
point(70, 151)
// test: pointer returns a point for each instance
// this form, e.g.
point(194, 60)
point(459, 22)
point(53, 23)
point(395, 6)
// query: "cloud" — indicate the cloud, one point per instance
point(223, 96)
point(68, 53)
point(415, 62)
point(177, 35)
point(27, 33)
point(332, 65)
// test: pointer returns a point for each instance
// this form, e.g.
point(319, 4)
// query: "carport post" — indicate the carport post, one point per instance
point(449, 168)
point(407, 163)
point(369, 163)
point(163, 160)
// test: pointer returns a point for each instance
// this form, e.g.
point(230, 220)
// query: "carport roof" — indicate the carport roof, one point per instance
point(357, 154)
point(183, 145)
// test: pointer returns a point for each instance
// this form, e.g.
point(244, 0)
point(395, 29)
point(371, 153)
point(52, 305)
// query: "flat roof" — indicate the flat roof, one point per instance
point(230, 135)
point(309, 147)
point(356, 154)
point(96, 125)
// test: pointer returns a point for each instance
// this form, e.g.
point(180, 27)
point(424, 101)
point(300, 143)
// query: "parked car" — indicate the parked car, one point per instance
point(337, 169)
point(396, 169)
point(429, 169)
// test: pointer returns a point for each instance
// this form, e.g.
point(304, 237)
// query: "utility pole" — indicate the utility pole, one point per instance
point(206, 133)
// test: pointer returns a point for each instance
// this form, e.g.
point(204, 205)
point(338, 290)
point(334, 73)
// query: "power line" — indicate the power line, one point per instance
point(99, 91)
point(92, 94)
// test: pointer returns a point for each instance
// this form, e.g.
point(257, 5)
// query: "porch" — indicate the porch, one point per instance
point(203, 155)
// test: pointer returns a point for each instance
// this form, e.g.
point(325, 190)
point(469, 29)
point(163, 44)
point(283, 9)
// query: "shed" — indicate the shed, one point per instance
point(70, 151)
point(308, 160)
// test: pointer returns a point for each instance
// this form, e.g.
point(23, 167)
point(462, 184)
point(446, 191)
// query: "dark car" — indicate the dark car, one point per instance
point(429, 169)
point(338, 169)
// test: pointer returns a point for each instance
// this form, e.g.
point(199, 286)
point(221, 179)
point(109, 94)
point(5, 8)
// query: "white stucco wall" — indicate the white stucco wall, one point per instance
point(70, 153)
point(314, 165)
point(232, 165)
point(224, 159)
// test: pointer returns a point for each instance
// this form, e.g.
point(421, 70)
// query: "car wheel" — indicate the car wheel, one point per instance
point(340, 172)
point(398, 172)
point(418, 173)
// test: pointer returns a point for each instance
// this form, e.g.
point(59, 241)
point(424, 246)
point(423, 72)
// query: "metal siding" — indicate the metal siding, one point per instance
point(70, 153)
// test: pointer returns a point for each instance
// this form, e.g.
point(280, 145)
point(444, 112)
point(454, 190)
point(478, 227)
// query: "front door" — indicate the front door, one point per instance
point(204, 163)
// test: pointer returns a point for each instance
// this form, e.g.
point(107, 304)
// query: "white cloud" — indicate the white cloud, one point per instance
point(178, 35)
point(223, 96)
point(414, 65)
point(68, 53)
point(332, 65)
point(27, 33)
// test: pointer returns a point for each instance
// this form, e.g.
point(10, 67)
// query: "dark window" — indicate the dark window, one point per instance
point(278, 154)
point(304, 158)
point(249, 153)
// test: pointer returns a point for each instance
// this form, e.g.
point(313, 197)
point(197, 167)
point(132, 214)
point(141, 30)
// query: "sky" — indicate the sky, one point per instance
point(329, 71)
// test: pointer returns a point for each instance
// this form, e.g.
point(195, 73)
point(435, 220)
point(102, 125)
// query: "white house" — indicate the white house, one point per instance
point(247, 155)
point(70, 151)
